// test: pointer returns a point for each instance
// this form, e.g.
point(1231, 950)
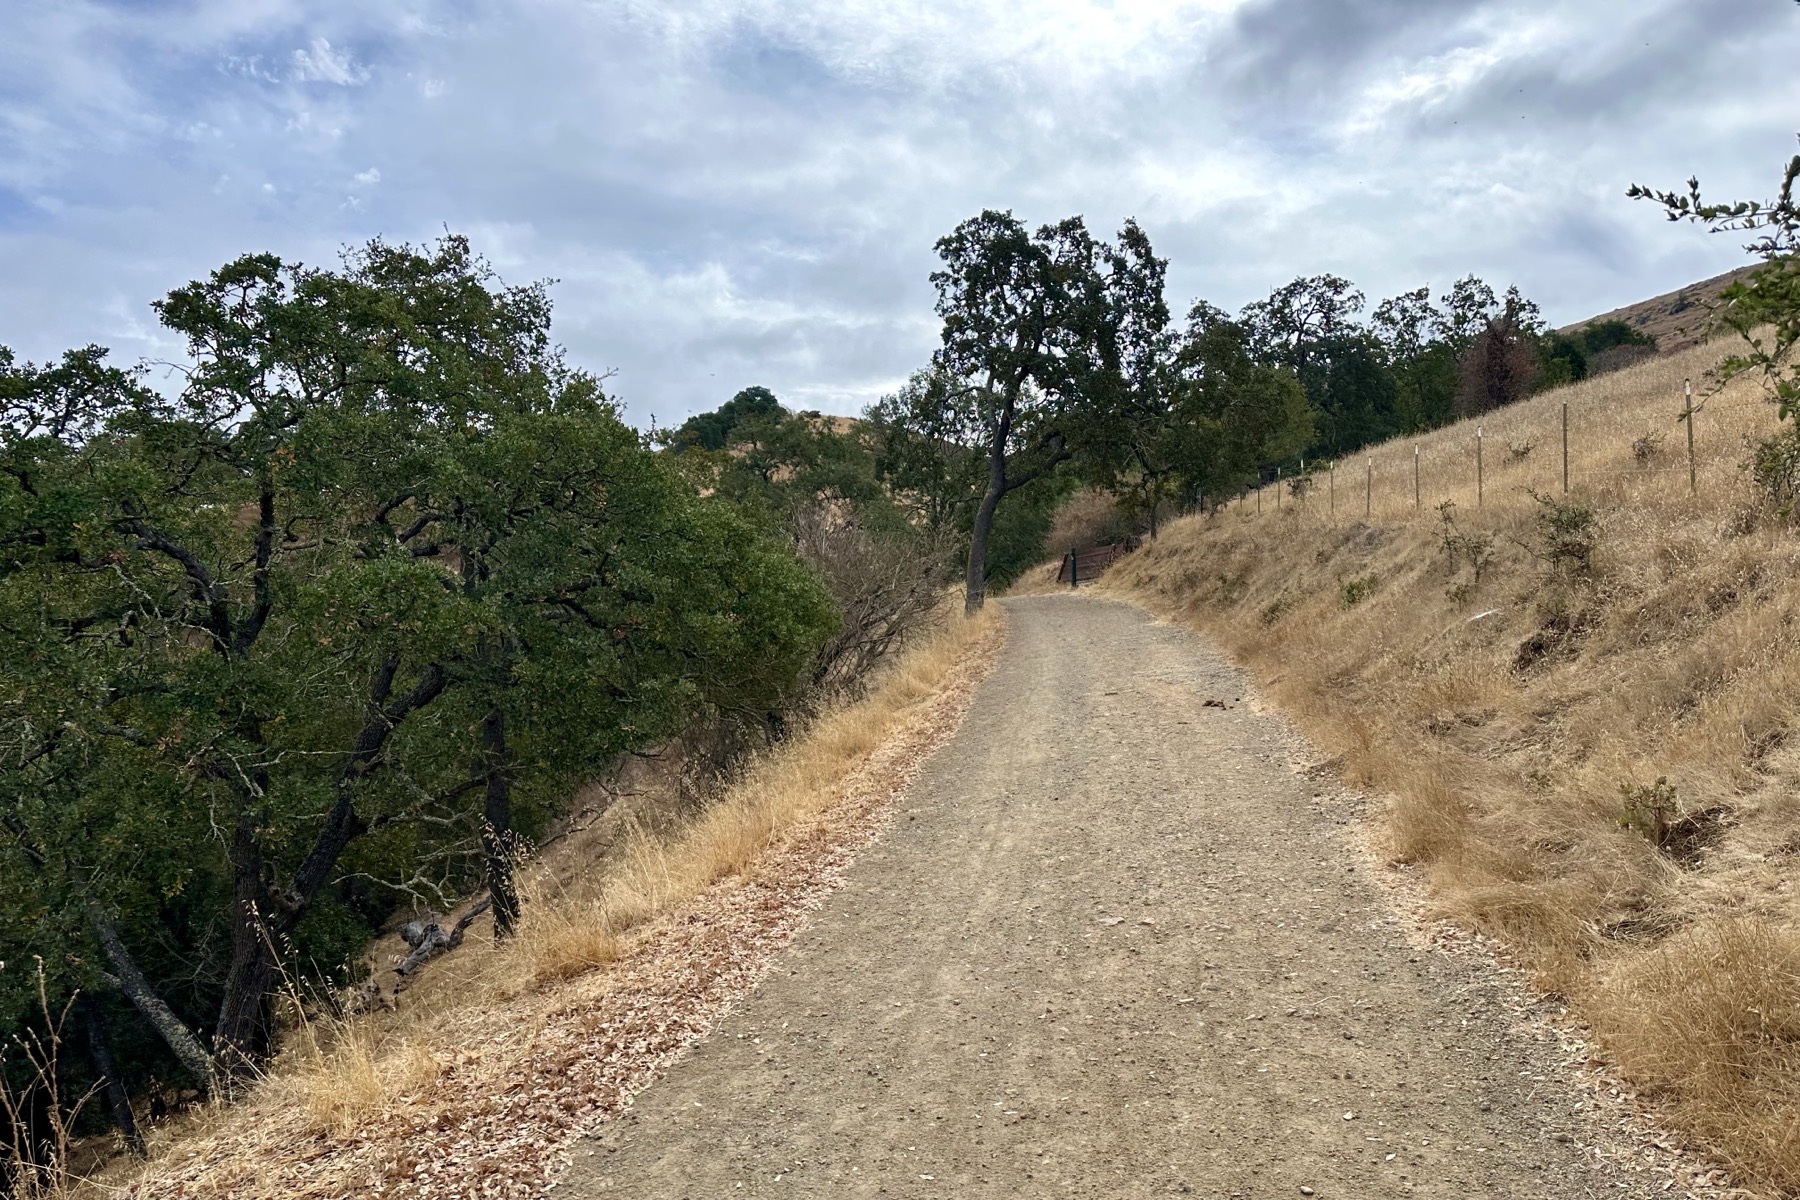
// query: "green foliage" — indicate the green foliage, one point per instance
point(813, 481)
point(1463, 548)
point(1352, 592)
point(1229, 413)
point(1041, 334)
point(718, 429)
point(1568, 357)
point(1775, 467)
point(251, 634)
point(1764, 309)
point(1597, 337)
point(1650, 810)
point(1565, 534)
point(1309, 327)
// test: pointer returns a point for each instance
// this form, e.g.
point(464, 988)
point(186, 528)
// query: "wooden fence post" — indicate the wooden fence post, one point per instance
point(1074, 566)
point(1369, 488)
point(1415, 475)
point(1687, 388)
point(1478, 466)
point(1331, 489)
point(1565, 432)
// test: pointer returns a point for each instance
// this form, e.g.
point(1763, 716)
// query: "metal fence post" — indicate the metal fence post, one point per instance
point(1369, 488)
point(1415, 475)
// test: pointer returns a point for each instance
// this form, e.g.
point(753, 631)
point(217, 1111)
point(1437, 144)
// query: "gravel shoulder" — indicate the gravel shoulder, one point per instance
point(1118, 943)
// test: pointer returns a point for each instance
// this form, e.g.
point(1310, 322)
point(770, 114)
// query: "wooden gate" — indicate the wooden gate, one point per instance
point(1085, 566)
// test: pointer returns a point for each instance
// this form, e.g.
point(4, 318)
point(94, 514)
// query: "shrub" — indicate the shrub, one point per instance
point(1475, 549)
point(1646, 447)
point(1565, 534)
point(1649, 810)
point(1353, 592)
point(1775, 466)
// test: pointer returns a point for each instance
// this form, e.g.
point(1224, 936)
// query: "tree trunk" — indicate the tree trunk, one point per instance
point(241, 1037)
point(118, 1100)
point(129, 980)
point(975, 582)
point(497, 840)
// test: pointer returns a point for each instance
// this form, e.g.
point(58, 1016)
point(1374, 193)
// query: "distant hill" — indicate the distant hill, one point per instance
point(1676, 319)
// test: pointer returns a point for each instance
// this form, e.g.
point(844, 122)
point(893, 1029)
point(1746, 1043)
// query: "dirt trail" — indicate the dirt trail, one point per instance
point(1115, 945)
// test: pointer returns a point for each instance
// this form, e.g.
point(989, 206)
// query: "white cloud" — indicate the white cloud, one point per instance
point(324, 63)
point(739, 191)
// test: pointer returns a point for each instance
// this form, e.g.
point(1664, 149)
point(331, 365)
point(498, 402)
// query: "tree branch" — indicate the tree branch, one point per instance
point(129, 980)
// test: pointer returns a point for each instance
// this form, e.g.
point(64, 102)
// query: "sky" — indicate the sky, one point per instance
point(737, 192)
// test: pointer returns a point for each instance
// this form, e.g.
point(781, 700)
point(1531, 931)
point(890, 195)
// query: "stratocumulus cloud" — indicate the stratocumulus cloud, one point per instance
point(747, 191)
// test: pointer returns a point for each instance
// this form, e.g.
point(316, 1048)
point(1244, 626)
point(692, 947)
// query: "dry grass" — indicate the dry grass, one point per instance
point(1502, 710)
point(1088, 518)
point(498, 1057)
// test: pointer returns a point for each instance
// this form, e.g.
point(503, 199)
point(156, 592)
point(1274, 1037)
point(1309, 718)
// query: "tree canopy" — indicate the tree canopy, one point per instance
point(332, 623)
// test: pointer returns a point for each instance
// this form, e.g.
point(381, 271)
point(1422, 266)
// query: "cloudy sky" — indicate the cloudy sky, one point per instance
point(747, 191)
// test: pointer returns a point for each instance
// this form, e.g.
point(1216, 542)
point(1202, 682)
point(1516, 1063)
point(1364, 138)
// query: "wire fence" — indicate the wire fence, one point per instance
point(1630, 438)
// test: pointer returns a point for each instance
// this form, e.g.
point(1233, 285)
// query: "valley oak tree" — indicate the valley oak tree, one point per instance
point(1025, 364)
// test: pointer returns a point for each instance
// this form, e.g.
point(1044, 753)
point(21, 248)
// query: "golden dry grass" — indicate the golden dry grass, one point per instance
point(1502, 714)
point(612, 971)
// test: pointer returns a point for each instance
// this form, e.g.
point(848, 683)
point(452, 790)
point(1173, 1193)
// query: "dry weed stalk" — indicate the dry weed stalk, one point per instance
point(38, 1165)
point(1502, 713)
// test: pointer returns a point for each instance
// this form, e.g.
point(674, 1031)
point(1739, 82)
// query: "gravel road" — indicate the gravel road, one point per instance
point(1117, 944)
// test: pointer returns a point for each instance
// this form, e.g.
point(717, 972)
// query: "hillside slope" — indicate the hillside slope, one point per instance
point(1677, 319)
point(499, 1057)
point(1545, 689)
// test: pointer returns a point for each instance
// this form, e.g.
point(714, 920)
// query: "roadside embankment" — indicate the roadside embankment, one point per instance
point(1579, 705)
point(499, 1057)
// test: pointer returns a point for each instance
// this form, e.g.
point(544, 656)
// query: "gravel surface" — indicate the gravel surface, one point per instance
point(1118, 943)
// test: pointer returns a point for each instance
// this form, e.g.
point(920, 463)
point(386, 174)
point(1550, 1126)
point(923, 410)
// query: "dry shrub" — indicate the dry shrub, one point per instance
point(886, 584)
point(1087, 518)
point(1711, 1020)
point(1624, 632)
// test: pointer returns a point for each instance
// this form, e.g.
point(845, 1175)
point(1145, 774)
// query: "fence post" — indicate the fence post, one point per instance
point(1277, 487)
point(1369, 488)
point(1331, 489)
point(1565, 447)
point(1074, 566)
point(1687, 388)
point(1478, 466)
point(1415, 475)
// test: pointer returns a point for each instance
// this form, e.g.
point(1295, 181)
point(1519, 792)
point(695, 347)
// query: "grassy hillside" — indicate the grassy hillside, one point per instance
point(1580, 707)
point(1677, 319)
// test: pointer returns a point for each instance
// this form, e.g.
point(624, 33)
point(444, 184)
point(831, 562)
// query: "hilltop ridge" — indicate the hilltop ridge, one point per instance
point(1675, 319)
